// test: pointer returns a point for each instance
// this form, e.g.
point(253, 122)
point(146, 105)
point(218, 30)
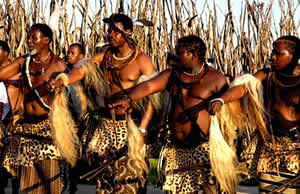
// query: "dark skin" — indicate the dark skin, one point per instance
point(74, 55)
point(203, 87)
point(128, 73)
point(285, 108)
point(13, 92)
point(44, 66)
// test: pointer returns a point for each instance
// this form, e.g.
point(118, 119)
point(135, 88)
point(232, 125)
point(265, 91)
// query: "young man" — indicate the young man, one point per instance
point(4, 109)
point(31, 145)
point(75, 54)
point(4, 60)
point(116, 69)
point(191, 84)
point(276, 160)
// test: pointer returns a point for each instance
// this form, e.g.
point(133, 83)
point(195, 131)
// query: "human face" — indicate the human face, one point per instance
point(74, 55)
point(37, 41)
point(185, 57)
point(115, 38)
point(280, 56)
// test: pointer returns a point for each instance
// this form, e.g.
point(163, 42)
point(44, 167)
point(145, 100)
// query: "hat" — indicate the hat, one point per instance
point(114, 19)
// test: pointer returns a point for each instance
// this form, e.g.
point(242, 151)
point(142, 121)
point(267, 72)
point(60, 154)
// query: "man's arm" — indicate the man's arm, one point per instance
point(11, 69)
point(78, 73)
point(147, 68)
point(154, 85)
point(232, 94)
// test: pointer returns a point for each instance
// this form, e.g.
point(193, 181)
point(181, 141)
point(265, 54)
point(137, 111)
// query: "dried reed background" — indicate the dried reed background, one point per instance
point(237, 46)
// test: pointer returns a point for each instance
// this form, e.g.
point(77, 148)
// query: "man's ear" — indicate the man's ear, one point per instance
point(46, 40)
point(81, 56)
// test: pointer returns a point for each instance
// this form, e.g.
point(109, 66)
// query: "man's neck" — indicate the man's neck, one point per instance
point(291, 70)
point(124, 50)
point(197, 68)
point(42, 54)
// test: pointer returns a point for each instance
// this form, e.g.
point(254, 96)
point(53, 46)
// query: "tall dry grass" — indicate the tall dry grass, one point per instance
point(238, 44)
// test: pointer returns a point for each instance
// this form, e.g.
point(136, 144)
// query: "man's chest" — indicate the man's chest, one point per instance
point(286, 96)
point(129, 73)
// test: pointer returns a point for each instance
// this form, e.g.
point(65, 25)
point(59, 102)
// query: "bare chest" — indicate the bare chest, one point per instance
point(125, 75)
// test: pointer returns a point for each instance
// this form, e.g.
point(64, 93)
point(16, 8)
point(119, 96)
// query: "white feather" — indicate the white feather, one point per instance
point(54, 19)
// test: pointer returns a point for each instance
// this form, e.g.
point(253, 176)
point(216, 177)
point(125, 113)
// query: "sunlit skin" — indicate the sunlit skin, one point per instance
point(203, 85)
point(74, 55)
point(14, 93)
point(128, 74)
point(285, 112)
point(42, 67)
point(280, 56)
point(4, 59)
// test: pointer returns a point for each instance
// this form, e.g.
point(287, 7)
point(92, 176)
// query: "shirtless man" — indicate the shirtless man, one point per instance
point(281, 91)
point(31, 146)
point(191, 84)
point(120, 65)
point(4, 109)
point(4, 60)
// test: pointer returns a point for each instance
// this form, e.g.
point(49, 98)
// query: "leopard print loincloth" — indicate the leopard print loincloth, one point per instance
point(283, 155)
point(186, 169)
point(121, 175)
point(109, 136)
point(29, 143)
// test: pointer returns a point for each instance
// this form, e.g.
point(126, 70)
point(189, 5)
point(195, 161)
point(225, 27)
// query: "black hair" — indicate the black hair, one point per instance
point(120, 18)
point(45, 29)
point(193, 44)
point(4, 46)
point(294, 49)
point(80, 46)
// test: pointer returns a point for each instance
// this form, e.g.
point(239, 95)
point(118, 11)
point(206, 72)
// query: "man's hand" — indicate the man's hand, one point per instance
point(215, 106)
point(54, 84)
point(125, 103)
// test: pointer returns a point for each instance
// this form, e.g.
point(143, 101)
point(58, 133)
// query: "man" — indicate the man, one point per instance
point(191, 84)
point(276, 160)
point(31, 145)
point(116, 69)
point(75, 54)
point(4, 60)
point(4, 109)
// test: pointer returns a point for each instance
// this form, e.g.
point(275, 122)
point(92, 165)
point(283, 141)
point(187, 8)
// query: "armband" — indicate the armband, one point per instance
point(142, 130)
point(217, 99)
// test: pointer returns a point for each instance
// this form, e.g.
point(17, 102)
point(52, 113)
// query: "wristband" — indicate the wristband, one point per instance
point(217, 99)
point(142, 130)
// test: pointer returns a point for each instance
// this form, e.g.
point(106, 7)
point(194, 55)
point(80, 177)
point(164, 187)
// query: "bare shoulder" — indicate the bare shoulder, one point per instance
point(216, 76)
point(262, 74)
point(20, 61)
point(145, 64)
point(17, 64)
point(60, 65)
point(98, 58)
